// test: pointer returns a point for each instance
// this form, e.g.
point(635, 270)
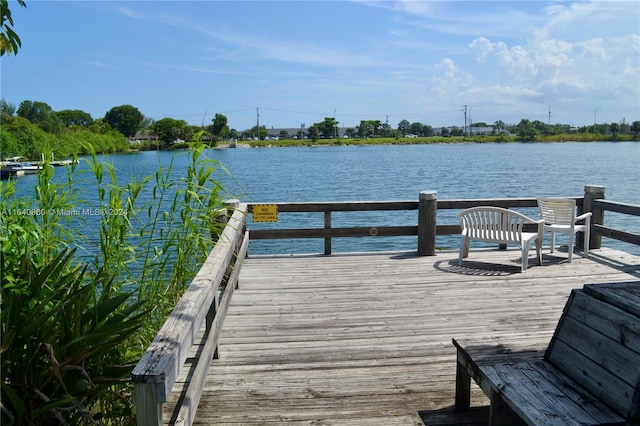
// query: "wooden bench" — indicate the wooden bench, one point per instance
point(589, 374)
point(501, 226)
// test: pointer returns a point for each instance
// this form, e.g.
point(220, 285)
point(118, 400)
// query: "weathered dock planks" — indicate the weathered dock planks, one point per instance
point(365, 339)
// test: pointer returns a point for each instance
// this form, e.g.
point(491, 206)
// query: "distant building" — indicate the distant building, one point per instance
point(481, 131)
point(274, 133)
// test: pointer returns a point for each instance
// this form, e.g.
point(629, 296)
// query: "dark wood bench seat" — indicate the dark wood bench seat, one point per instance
point(589, 374)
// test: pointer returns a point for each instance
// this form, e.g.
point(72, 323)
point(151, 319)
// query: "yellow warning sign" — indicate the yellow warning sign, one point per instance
point(265, 213)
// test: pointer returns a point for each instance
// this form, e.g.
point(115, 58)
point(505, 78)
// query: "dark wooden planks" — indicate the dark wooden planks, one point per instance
point(530, 386)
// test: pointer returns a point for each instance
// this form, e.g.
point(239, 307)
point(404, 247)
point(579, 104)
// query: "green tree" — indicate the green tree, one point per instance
point(21, 137)
point(9, 40)
point(615, 129)
point(601, 128)
point(635, 128)
point(7, 108)
point(417, 129)
point(124, 118)
point(376, 126)
point(74, 117)
point(404, 127)
point(219, 128)
point(147, 123)
point(259, 133)
point(366, 129)
point(170, 130)
point(9, 144)
point(40, 114)
point(313, 132)
point(526, 130)
point(386, 129)
point(540, 127)
point(328, 127)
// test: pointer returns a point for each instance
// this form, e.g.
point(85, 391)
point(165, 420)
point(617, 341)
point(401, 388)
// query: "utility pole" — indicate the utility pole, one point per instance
point(465, 120)
point(549, 114)
point(595, 111)
point(549, 105)
point(258, 122)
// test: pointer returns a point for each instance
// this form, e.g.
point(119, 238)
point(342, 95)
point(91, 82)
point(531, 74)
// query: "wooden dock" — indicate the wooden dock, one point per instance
point(365, 339)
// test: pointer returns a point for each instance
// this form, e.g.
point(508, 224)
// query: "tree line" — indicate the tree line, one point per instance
point(525, 130)
point(27, 129)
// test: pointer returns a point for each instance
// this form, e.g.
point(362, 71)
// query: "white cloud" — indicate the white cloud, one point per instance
point(564, 61)
point(448, 83)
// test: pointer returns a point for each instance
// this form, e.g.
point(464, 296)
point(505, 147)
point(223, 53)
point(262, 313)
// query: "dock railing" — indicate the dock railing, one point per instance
point(427, 227)
point(202, 304)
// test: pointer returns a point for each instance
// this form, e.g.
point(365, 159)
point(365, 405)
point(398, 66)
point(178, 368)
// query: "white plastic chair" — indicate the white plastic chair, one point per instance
point(559, 215)
point(502, 226)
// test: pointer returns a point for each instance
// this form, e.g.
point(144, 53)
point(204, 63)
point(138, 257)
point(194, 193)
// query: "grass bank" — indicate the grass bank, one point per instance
point(582, 137)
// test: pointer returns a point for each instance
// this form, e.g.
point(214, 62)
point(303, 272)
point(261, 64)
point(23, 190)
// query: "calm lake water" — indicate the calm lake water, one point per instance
point(401, 172)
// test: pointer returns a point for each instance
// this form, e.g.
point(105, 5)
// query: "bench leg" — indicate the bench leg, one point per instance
point(498, 412)
point(463, 385)
point(464, 248)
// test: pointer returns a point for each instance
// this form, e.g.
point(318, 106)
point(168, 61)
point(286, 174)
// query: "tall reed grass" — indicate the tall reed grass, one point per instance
point(72, 329)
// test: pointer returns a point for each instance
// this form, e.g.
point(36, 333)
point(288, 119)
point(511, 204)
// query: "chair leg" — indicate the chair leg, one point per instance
point(525, 255)
point(585, 244)
point(553, 241)
point(572, 237)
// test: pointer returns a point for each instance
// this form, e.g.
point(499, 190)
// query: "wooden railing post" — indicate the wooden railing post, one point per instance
point(149, 404)
point(231, 204)
point(218, 222)
point(221, 217)
point(593, 192)
point(427, 211)
point(327, 225)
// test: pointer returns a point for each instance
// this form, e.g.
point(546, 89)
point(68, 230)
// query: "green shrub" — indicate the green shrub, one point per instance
point(62, 329)
point(72, 330)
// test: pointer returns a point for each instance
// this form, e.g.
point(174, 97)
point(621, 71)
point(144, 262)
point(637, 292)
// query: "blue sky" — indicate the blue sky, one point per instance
point(301, 61)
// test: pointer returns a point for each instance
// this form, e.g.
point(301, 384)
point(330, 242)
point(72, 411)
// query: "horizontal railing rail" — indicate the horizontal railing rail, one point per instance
point(426, 229)
point(600, 206)
point(201, 305)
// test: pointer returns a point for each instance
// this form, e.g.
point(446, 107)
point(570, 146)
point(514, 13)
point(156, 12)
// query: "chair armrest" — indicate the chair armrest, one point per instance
point(584, 216)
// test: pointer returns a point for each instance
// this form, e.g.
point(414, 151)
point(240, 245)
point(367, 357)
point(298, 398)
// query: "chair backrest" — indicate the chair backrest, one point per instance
point(557, 211)
point(493, 224)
